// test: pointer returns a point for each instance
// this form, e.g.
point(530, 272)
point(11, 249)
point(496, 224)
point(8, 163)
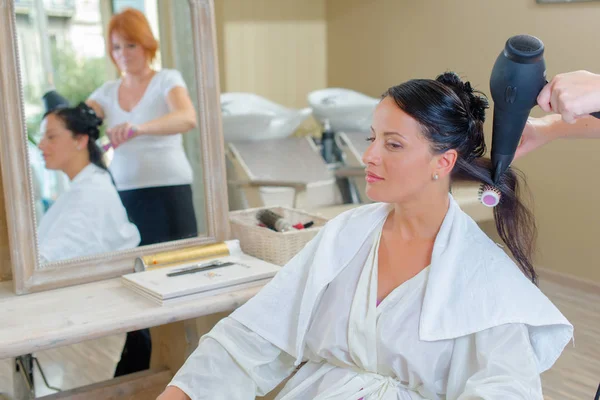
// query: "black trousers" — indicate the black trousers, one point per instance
point(161, 214)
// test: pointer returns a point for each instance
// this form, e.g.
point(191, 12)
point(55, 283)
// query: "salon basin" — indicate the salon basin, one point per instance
point(346, 110)
point(247, 116)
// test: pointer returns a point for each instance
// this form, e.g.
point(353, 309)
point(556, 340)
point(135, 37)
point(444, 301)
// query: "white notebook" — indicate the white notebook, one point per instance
point(246, 271)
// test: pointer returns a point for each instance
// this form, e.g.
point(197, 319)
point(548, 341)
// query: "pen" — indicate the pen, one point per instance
point(195, 266)
point(200, 268)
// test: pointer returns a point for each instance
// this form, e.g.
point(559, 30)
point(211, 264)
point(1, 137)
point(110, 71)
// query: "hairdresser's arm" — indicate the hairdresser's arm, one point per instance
point(94, 105)
point(180, 119)
point(540, 131)
point(572, 95)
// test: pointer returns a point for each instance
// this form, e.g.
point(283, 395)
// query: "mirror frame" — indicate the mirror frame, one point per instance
point(28, 274)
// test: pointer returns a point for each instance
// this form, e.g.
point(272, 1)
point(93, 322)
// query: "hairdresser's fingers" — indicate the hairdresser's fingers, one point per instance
point(563, 106)
point(119, 135)
point(575, 94)
point(124, 133)
point(543, 99)
point(127, 132)
point(110, 133)
point(554, 98)
point(131, 131)
point(114, 137)
point(561, 100)
point(529, 141)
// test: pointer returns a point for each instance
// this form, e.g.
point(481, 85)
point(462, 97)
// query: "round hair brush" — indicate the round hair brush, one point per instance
point(274, 221)
point(489, 195)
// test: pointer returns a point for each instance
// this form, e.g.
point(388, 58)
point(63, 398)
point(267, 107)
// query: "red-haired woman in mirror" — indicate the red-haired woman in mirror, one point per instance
point(146, 111)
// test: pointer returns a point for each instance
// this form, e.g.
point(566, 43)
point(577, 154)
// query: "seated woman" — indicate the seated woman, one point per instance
point(89, 218)
point(402, 299)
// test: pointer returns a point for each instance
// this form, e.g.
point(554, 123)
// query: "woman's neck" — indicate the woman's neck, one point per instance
point(419, 218)
point(139, 78)
point(76, 167)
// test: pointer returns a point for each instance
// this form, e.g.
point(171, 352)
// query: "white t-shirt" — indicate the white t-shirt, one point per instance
point(87, 219)
point(147, 160)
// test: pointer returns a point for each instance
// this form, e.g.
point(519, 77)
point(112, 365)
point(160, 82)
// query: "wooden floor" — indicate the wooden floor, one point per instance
point(79, 364)
point(575, 376)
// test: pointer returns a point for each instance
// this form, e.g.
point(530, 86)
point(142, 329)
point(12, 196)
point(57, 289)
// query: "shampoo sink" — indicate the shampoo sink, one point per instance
point(247, 116)
point(346, 110)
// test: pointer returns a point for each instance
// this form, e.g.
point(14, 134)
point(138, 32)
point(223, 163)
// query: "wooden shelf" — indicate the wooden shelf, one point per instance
point(60, 317)
point(139, 386)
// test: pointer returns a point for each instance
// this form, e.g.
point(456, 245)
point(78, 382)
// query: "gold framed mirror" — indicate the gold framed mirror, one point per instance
point(186, 33)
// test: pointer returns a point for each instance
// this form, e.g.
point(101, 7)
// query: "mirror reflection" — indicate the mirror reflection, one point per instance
point(111, 109)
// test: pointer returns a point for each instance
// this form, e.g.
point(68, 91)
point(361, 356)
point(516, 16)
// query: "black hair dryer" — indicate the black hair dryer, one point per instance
point(517, 79)
point(53, 100)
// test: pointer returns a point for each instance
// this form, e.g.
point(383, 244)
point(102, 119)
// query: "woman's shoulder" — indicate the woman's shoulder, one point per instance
point(168, 78)
point(111, 83)
point(96, 185)
point(168, 72)
point(105, 89)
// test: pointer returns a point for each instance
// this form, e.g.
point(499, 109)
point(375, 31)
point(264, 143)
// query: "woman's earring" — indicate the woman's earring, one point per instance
point(435, 177)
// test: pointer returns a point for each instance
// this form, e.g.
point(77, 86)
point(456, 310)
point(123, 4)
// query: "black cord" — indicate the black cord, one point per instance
point(597, 393)
point(44, 376)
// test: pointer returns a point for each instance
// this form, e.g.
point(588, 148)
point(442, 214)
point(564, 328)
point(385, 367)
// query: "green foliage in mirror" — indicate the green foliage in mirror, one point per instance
point(75, 79)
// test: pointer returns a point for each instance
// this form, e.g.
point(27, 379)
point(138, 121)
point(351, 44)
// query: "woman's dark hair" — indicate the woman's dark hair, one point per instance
point(82, 120)
point(451, 115)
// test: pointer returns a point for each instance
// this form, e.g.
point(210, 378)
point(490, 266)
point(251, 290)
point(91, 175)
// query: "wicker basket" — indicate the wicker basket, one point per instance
point(275, 247)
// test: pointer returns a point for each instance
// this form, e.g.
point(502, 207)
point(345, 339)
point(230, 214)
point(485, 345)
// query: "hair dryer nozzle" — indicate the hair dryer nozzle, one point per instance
point(53, 100)
point(501, 164)
point(524, 49)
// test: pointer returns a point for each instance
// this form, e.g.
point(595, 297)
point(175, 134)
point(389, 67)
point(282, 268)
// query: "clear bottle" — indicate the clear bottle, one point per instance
point(327, 143)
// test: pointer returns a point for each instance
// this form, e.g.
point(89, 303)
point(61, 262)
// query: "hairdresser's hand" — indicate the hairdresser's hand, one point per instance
point(173, 393)
point(535, 135)
point(121, 133)
point(572, 95)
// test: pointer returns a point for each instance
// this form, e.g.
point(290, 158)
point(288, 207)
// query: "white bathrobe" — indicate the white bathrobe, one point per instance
point(87, 219)
point(469, 326)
